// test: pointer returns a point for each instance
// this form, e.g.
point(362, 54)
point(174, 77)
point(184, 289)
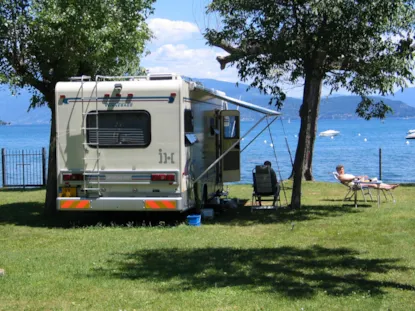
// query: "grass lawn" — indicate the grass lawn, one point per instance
point(325, 256)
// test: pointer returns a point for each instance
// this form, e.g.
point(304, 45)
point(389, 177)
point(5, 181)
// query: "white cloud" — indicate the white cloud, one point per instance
point(170, 54)
point(198, 63)
point(192, 62)
point(168, 31)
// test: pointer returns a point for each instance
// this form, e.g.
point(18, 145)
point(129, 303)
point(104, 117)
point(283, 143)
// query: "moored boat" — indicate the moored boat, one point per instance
point(410, 136)
point(329, 133)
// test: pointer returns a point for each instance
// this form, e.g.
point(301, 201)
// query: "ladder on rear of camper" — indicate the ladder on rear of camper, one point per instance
point(91, 160)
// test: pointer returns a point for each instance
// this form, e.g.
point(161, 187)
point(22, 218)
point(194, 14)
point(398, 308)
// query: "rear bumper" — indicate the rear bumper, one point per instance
point(146, 204)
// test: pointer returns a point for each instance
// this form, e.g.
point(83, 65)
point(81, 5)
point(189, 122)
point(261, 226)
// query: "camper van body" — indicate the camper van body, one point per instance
point(140, 143)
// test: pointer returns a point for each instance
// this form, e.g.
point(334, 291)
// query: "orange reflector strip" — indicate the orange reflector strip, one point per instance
point(83, 204)
point(77, 204)
point(160, 204)
point(152, 204)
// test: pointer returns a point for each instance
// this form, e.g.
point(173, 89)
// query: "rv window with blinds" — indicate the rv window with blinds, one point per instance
point(118, 129)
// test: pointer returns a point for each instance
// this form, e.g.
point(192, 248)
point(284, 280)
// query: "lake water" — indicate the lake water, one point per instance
point(356, 147)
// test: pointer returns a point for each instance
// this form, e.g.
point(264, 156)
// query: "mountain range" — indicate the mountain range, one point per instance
point(13, 109)
point(331, 107)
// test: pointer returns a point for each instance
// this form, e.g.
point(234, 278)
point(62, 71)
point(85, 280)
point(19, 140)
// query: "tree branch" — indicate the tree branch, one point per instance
point(235, 53)
point(17, 63)
point(29, 79)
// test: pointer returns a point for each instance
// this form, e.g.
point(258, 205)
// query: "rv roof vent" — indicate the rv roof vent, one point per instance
point(161, 76)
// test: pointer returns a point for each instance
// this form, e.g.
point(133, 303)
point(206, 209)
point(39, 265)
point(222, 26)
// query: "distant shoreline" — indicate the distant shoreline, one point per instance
point(332, 118)
point(249, 119)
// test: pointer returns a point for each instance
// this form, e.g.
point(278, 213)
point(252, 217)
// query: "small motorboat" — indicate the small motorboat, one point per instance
point(410, 136)
point(329, 133)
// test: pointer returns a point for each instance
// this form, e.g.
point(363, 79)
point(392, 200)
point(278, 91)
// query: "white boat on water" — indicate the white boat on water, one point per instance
point(410, 135)
point(329, 133)
point(411, 132)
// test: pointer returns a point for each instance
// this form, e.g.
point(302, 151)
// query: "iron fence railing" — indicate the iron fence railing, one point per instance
point(23, 168)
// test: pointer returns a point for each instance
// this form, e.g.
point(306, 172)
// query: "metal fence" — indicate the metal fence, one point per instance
point(23, 168)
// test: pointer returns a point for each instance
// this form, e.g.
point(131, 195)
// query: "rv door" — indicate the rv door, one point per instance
point(230, 131)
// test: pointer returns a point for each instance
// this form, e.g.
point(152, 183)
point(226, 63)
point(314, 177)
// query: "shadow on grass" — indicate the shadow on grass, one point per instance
point(360, 203)
point(25, 213)
point(290, 271)
point(243, 216)
point(32, 214)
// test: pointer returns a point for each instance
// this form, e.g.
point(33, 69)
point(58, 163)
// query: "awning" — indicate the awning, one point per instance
point(238, 102)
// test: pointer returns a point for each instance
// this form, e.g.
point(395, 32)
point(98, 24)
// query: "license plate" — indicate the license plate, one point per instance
point(68, 192)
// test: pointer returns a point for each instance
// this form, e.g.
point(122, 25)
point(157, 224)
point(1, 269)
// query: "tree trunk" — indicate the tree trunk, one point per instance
point(308, 113)
point(51, 189)
point(308, 174)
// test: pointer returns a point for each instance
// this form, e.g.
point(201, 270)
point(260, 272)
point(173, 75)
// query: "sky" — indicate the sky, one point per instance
point(179, 45)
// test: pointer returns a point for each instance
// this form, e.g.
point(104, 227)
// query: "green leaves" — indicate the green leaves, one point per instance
point(368, 109)
point(367, 44)
point(46, 41)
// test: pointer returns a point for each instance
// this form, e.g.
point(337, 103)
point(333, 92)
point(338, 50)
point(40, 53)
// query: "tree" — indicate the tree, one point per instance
point(363, 46)
point(46, 41)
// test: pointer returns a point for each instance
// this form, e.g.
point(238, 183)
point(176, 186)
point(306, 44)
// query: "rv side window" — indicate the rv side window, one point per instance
point(231, 127)
point(188, 121)
point(119, 129)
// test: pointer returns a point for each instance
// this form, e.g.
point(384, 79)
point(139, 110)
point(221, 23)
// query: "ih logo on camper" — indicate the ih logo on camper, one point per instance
point(165, 157)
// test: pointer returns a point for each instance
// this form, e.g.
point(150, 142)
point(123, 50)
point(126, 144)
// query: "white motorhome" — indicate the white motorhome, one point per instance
point(148, 143)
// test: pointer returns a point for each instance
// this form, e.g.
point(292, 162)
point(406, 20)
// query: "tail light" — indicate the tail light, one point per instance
point(172, 97)
point(73, 177)
point(163, 177)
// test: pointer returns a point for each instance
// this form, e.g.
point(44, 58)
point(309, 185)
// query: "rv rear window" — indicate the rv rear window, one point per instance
point(118, 129)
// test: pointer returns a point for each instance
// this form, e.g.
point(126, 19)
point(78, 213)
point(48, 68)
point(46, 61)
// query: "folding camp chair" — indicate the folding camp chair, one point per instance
point(264, 187)
point(353, 189)
point(388, 191)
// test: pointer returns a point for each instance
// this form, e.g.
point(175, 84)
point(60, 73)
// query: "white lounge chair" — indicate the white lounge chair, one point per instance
point(353, 189)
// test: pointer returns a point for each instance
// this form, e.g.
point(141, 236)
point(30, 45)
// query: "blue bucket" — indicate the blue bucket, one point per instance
point(193, 220)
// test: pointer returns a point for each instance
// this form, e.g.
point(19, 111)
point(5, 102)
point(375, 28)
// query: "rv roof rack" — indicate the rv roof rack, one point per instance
point(118, 78)
point(152, 77)
point(80, 78)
